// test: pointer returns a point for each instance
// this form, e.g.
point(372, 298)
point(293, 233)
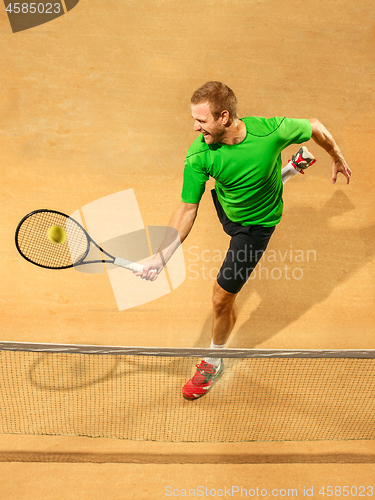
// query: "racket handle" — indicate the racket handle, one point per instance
point(128, 264)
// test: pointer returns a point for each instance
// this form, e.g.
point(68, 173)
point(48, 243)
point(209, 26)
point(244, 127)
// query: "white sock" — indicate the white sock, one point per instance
point(287, 172)
point(214, 361)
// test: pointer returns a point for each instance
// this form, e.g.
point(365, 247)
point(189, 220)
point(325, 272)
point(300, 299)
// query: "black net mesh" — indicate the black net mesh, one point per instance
point(138, 397)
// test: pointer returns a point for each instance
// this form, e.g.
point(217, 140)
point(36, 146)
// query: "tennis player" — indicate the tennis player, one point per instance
point(244, 157)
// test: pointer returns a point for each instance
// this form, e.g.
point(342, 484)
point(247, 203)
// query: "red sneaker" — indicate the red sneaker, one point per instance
point(203, 380)
point(302, 159)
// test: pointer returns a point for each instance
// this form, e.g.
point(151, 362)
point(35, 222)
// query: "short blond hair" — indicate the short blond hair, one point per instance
point(219, 97)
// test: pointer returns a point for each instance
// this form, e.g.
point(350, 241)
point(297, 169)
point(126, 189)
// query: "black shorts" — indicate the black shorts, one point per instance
point(246, 248)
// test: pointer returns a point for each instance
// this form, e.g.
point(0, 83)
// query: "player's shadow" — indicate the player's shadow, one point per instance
point(320, 255)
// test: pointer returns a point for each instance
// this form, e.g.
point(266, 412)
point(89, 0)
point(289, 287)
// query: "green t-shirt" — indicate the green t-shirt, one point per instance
point(248, 175)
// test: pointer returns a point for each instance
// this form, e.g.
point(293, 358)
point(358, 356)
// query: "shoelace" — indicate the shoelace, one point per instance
point(297, 164)
point(202, 372)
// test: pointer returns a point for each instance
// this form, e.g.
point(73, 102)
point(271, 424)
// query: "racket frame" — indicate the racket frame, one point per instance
point(117, 261)
point(80, 261)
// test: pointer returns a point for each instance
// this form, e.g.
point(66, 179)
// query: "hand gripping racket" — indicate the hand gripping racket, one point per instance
point(34, 246)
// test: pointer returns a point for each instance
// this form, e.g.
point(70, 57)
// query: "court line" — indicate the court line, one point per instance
point(190, 458)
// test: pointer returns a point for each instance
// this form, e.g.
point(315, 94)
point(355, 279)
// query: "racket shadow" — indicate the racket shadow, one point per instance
point(71, 371)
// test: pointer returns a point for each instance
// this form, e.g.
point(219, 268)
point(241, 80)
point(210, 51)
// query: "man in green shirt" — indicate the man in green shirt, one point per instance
point(244, 157)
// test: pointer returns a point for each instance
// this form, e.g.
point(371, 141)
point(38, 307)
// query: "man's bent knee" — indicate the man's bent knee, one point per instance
point(222, 301)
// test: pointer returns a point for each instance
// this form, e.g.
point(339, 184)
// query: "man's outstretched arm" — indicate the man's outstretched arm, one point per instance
point(325, 140)
point(179, 227)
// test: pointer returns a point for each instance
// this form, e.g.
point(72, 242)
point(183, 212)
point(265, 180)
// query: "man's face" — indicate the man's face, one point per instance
point(213, 130)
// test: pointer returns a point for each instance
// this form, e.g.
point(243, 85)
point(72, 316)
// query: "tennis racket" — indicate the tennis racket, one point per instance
point(34, 246)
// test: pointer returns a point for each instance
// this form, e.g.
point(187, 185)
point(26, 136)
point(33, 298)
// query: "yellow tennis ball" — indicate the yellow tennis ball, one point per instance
point(56, 234)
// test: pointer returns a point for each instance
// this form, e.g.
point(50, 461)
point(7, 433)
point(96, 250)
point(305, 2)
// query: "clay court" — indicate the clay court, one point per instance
point(97, 102)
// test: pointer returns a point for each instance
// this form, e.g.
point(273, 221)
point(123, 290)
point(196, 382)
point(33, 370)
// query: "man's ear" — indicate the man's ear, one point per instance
point(225, 117)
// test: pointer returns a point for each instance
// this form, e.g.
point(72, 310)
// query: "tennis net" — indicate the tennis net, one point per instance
point(134, 393)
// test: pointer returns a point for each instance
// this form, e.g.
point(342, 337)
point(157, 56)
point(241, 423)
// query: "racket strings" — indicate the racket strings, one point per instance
point(33, 242)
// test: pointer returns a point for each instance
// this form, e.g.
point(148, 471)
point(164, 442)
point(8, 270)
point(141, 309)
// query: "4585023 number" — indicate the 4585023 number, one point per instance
point(345, 491)
point(33, 8)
